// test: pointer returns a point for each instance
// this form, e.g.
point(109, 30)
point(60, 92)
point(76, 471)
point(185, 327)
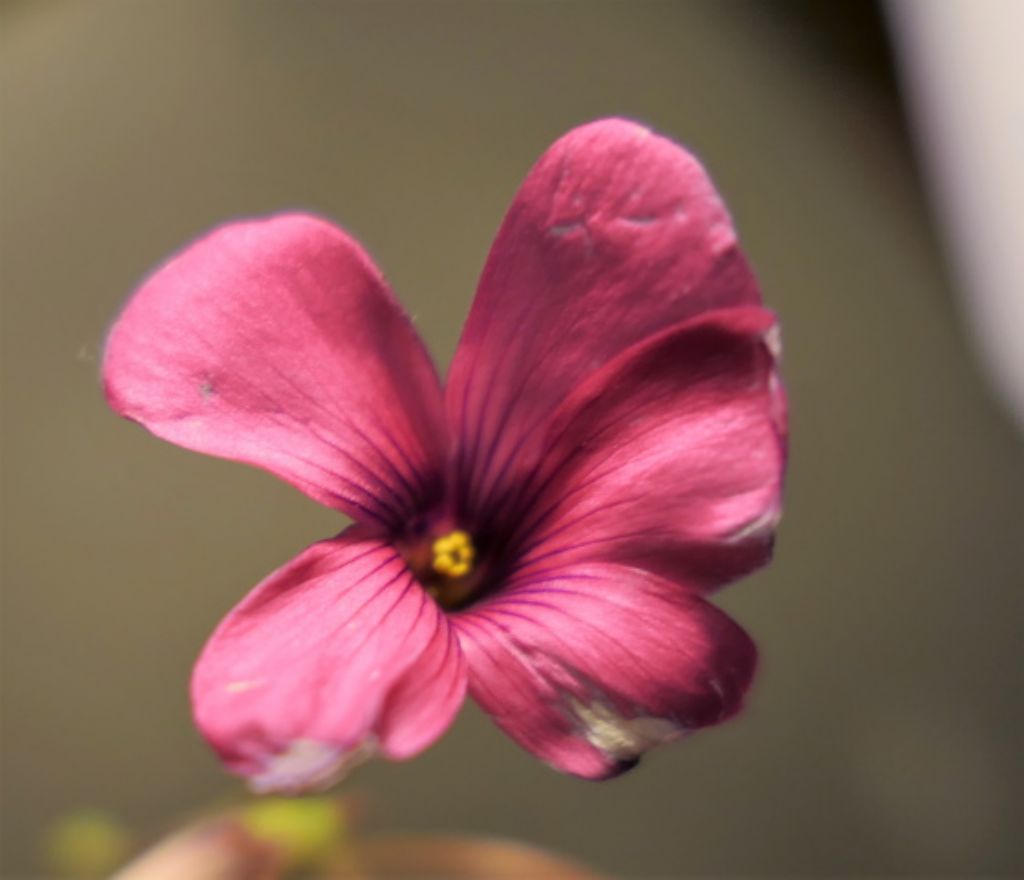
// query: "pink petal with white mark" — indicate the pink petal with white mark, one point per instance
point(616, 234)
point(276, 342)
point(590, 666)
point(338, 655)
point(669, 459)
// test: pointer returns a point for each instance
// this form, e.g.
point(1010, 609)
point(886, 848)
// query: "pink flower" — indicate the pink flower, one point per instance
point(607, 449)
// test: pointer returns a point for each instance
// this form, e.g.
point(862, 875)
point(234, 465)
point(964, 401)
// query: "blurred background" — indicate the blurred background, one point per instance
point(883, 736)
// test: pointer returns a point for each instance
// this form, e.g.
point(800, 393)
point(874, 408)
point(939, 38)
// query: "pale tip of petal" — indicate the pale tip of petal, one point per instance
point(773, 341)
point(721, 237)
point(309, 765)
point(760, 527)
point(622, 739)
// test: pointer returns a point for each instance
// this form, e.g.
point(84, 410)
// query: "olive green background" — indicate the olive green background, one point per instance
point(883, 736)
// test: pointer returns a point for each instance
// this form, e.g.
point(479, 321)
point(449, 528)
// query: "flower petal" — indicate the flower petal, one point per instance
point(338, 654)
point(590, 666)
point(276, 342)
point(669, 459)
point(615, 234)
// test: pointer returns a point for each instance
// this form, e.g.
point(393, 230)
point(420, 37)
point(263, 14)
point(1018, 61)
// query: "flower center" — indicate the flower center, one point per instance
point(454, 554)
point(449, 567)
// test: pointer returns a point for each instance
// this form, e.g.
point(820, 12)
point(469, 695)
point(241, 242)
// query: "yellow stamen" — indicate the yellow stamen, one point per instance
point(454, 554)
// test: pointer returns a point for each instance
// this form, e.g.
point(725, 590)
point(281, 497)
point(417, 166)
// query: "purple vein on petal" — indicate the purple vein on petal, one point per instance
point(551, 608)
point(331, 414)
point(273, 413)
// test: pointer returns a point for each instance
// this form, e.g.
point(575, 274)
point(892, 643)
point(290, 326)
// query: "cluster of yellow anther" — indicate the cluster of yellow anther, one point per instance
point(454, 554)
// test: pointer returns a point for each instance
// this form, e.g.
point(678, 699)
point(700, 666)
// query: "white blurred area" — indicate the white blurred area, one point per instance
point(964, 74)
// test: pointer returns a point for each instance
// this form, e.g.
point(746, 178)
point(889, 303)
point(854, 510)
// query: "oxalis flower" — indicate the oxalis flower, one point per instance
point(543, 529)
